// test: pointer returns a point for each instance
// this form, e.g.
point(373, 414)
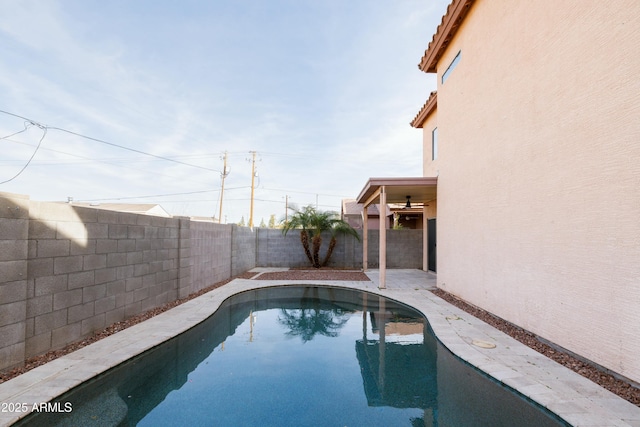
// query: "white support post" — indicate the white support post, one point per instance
point(365, 238)
point(382, 252)
point(425, 240)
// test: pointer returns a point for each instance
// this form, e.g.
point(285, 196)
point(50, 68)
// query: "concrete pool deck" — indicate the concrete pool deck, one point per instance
point(574, 398)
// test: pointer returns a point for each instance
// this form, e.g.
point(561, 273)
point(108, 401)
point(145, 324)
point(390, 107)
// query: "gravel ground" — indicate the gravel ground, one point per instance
point(604, 379)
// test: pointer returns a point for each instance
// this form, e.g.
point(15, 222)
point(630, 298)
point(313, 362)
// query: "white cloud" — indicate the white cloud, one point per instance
point(323, 91)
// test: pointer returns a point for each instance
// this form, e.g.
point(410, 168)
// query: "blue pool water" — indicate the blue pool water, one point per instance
point(299, 356)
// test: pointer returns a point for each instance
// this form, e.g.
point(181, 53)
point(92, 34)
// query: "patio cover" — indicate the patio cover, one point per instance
point(395, 190)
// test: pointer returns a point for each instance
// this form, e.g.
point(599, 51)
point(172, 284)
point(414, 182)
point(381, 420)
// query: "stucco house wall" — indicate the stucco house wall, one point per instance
point(429, 164)
point(539, 171)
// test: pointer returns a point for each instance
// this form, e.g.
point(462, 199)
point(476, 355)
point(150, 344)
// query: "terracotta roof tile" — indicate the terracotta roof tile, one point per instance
point(427, 108)
point(451, 21)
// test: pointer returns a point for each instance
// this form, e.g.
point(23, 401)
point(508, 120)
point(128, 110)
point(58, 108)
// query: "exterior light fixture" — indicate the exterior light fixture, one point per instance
point(408, 205)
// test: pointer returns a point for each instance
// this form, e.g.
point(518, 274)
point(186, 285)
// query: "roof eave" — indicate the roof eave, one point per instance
point(451, 21)
point(373, 185)
point(426, 110)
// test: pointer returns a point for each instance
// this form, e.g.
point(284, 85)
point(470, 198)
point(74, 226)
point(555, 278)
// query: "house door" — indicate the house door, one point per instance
point(431, 244)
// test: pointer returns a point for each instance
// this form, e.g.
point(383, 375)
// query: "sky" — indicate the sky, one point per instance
point(137, 101)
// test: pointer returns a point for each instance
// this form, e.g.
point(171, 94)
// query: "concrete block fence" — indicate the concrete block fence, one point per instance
point(68, 271)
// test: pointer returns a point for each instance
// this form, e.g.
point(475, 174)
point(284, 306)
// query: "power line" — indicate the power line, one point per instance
point(131, 149)
point(299, 156)
point(44, 133)
point(106, 142)
point(145, 197)
point(108, 161)
point(26, 126)
point(304, 192)
point(156, 195)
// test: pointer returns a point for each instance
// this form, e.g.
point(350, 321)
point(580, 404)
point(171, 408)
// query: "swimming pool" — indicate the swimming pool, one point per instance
point(299, 356)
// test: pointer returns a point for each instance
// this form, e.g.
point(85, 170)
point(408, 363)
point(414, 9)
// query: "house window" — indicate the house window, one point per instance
point(434, 144)
point(452, 66)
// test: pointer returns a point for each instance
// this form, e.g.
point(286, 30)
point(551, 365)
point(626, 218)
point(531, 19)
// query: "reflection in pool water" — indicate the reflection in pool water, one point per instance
point(299, 356)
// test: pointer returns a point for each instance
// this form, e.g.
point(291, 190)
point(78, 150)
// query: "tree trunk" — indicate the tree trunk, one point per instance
point(332, 245)
point(317, 242)
point(304, 239)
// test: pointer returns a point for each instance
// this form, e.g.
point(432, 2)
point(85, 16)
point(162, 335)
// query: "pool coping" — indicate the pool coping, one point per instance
point(572, 397)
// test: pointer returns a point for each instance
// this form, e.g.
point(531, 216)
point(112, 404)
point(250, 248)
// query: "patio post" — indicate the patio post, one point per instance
point(425, 240)
point(365, 239)
point(382, 252)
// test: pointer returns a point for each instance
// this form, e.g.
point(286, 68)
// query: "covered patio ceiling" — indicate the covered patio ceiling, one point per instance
point(421, 190)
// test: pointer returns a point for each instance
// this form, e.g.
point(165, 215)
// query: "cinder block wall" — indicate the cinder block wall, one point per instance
point(277, 250)
point(348, 251)
point(404, 249)
point(210, 254)
point(89, 268)
point(14, 230)
point(68, 271)
point(243, 249)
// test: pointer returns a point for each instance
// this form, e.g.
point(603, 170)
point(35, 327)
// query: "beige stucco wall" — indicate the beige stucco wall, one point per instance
point(429, 166)
point(539, 172)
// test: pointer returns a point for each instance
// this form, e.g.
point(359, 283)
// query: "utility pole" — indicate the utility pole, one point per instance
point(223, 175)
point(286, 209)
point(253, 178)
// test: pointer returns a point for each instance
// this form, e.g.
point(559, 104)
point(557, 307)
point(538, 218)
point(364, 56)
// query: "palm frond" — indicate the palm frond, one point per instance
point(312, 224)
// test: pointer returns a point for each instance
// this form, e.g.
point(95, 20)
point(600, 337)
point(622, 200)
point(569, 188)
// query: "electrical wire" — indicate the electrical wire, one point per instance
point(304, 192)
point(45, 128)
point(130, 149)
point(158, 195)
point(44, 133)
point(89, 159)
point(105, 142)
point(26, 126)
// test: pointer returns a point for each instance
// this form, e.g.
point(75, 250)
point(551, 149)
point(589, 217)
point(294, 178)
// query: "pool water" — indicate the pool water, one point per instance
point(299, 356)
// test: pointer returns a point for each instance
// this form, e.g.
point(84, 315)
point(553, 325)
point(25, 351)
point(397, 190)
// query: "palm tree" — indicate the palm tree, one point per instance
point(311, 221)
point(301, 219)
point(340, 227)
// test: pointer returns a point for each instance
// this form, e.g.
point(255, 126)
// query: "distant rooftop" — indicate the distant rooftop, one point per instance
point(139, 208)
